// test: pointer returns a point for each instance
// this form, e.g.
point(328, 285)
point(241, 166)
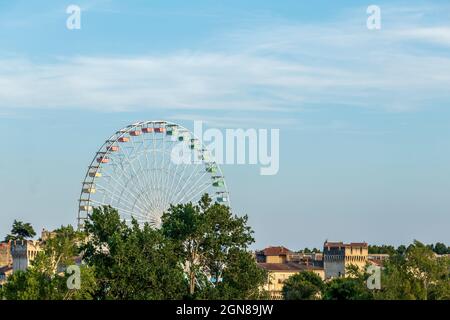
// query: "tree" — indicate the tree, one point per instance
point(401, 249)
point(211, 241)
point(242, 278)
point(441, 248)
point(383, 249)
point(347, 289)
point(416, 275)
point(303, 286)
point(131, 262)
point(20, 231)
point(351, 287)
point(33, 284)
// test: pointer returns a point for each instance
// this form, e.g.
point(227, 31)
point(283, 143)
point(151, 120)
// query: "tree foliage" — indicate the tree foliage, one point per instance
point(20, 231)
point(131, 263)
point(303, 286)
point(416, 275)
point(210, 242)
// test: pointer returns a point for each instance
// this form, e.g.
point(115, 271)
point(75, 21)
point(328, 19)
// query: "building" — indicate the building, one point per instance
point(273, 255)
point(23, 253)
point(280, 264)
point(378, 256)
point(5, 272)
point(278, 273)
point(46, 235)
point(338, 256)
point(5, 254)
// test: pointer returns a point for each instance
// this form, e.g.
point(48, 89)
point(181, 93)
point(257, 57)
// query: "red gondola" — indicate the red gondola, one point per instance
point(102, 160)
point(135, 133)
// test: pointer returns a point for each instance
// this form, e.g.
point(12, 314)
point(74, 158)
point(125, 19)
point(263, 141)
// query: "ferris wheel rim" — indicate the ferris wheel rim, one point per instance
point(125, 132)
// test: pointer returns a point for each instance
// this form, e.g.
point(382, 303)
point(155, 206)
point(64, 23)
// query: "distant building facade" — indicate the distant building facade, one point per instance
point(338, 256)
point(5, 272)
point(278, 273)
point(273, 255)
point(23, 253)
point(5, 254)
point(280, 264)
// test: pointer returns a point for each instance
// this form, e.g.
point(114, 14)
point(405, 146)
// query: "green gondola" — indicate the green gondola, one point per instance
point(212, 168)
point(218, 182)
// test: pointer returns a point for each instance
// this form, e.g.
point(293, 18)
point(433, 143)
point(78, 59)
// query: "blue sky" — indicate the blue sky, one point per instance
point(363, 115)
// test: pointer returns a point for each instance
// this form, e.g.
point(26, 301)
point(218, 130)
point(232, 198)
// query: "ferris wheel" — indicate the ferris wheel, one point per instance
point(145, 167)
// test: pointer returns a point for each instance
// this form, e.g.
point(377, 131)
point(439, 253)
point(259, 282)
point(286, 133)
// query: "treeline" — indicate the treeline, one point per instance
point(438, 248)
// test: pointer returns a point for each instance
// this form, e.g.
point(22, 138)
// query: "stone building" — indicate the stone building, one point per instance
point(23, 253)
point(5, 254)
point(338, 256)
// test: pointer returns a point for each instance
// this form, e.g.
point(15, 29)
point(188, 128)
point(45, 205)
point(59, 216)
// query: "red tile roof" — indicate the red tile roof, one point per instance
point(276, 251)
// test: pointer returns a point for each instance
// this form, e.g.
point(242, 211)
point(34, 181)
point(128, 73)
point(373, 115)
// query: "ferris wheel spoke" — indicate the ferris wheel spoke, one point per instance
point(149, 177)
point(127, 158)
point(199, 193)
point(125, 211)
point(114, 195)
point(179, 187)
point(119, 184)
point(186, 184)
point(170, 178)
point(148, 185)
point(140, 164)
point(181, 177)
point(118, 164)
point(122, 195)
point(141, 184)
point(192, 186)
point(171, 174)
point(197, 183)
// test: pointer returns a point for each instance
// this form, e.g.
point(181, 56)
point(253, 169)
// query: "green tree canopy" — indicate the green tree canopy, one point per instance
point(303, 286)
point(209, 238)
point(351, 287)
point(416, 275)
point(20, 231)
point(130, 262)
point(347, 289)
point(383, 249)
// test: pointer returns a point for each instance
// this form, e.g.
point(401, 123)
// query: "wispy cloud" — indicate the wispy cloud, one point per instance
point(285, 67)
point(436, 35)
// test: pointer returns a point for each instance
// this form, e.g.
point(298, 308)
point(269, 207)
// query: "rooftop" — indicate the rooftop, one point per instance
point(342, 244)
point(276, 251)
point(5, 269)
